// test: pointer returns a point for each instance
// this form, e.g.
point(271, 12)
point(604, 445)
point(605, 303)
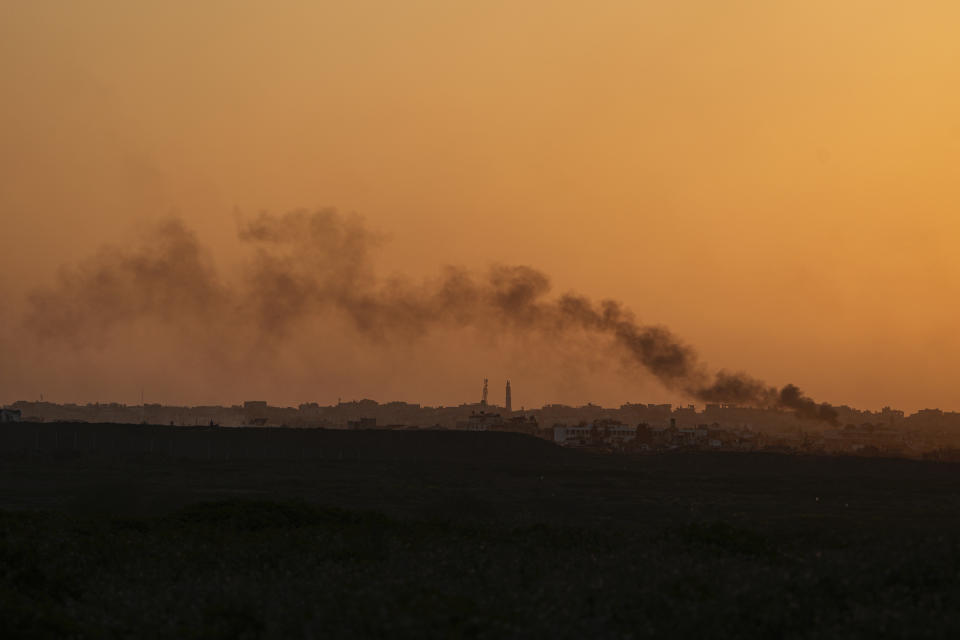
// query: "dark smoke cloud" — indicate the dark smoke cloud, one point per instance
point(742, 389)
point(305, 265)
point(168, 278)
point(792, 398)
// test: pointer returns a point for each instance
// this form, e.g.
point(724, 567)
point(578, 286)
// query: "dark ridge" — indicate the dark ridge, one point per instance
point(219, 443)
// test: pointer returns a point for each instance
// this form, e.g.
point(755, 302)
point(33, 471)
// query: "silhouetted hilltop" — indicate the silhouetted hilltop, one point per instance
point(273, 442)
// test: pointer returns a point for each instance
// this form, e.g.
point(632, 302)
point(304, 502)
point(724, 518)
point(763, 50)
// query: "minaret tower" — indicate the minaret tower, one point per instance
point(507, 405)
point(483, 402)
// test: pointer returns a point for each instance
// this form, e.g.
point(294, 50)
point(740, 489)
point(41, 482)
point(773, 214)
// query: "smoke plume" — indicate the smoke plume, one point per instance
point(304, 266)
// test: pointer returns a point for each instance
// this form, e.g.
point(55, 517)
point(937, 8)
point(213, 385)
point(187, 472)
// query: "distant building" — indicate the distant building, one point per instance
point(572, 436)
point(481, 421)
point(619, 434)
point(891, 416)
point(9, 415)
point(522, 424)
point(362, 423)
point(691, 435)
point(609, 433)
point(255, 412)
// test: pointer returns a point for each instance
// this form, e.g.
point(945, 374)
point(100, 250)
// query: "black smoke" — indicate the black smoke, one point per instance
point(304, 265)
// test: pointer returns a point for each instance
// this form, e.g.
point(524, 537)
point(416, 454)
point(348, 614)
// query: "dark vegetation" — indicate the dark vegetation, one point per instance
point(519, 539)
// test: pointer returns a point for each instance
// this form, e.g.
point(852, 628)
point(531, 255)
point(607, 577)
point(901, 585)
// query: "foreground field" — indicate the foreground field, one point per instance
point(516, 540)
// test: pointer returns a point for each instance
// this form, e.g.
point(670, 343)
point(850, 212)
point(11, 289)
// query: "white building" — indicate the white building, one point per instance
point(620, 433)
point(572, 436)
point(588, 434)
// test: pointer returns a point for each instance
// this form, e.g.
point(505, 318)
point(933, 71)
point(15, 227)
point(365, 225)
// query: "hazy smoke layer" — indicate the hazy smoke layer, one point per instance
point(308, 264)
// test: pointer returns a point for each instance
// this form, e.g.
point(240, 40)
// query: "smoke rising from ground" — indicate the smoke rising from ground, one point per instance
point(305, 266)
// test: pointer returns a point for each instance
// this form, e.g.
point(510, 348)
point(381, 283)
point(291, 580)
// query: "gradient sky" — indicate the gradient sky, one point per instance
point(778, 182)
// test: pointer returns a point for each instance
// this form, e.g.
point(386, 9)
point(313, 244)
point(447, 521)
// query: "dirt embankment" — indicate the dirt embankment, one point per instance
point(219, 443)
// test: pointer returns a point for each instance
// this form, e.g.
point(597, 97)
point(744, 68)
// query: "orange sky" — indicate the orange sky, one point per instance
point(775, 181)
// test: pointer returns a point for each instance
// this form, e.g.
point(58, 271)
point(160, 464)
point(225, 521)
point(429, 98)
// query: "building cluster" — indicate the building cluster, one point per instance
point(614, 435)
point(487, 421)
point(630, 427)
point(865, 439)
